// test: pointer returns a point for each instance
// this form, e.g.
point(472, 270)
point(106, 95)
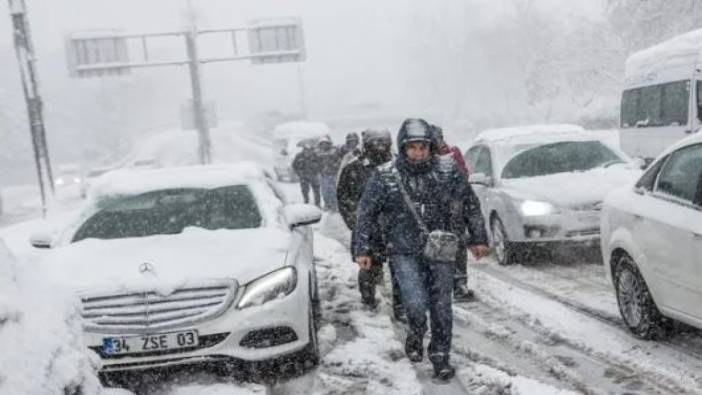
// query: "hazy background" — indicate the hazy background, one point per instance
point(466, 64)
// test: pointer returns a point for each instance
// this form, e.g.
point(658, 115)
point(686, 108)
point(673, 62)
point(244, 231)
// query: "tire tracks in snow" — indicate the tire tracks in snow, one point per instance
point(655, 379)
point(612, 321)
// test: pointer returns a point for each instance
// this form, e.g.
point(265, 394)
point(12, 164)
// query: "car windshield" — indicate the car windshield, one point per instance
point(560, 157)
point(172, 210)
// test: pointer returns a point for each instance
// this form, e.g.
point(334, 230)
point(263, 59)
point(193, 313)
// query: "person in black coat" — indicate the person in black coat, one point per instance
point(353, 177)
point(432, 184)
point(307, 166)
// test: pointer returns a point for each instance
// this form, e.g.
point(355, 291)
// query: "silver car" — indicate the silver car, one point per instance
point(542, 187)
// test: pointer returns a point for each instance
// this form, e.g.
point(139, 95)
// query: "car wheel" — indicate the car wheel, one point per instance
point(504, 250)
point(311, 351)
point(636, 305)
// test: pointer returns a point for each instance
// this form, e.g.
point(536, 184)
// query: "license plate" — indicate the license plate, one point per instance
point(149, 343)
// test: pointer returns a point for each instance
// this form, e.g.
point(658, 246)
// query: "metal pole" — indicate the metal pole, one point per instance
point(198, 105)
point(30, 85)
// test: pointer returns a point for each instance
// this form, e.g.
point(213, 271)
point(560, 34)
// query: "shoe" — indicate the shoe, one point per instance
point(414, 348)
point(462, 293)
point(444, 371)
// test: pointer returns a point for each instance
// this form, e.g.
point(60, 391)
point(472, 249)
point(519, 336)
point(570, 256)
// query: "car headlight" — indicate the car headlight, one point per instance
point(533, 208)
point(273, 285)
point(76, 180)
point(59, 181)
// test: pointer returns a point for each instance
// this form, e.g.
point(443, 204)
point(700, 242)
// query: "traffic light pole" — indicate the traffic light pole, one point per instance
point(30, 85)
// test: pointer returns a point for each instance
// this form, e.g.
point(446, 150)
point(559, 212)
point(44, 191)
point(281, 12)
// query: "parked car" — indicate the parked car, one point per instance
point(542, 186)
point(652, 242)
point(286, 144)
point(187, 265)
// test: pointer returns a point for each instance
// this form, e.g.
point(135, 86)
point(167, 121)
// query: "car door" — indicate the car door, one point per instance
point(669, 231)
point(479, 162)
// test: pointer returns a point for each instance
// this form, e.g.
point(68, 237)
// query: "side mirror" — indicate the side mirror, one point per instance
point(480, 179)
point(41, 239)
point(301, 215)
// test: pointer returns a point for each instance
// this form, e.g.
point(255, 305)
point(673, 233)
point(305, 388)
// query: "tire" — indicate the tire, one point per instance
point(310, 354)
point(636, 306)
point(504, 249)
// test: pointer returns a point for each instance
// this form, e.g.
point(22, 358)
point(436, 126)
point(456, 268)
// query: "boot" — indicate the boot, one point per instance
point(414, 348)
point(461, 293)
point(442, 368)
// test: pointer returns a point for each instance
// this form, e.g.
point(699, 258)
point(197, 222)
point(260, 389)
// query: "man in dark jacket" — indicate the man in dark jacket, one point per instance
point(307, 167)
point(432, 183)
point(461, 292)
point(329, 160)
point(353, 178)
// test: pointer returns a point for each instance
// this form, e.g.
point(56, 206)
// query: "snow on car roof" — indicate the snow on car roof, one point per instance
point(301, 128)
point(682, 50)
point(689, 140)
point(527, 133)
point(135, 181)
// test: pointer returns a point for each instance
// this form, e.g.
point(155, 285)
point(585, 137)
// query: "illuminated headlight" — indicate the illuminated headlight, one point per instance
point(274, 285)
point(59, 181)
point(533, 208)
point(76, 180)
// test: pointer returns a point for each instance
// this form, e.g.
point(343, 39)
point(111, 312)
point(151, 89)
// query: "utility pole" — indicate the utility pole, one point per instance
point(30, 85)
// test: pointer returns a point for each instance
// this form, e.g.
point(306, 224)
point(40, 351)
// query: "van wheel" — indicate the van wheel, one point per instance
point(636, 305)
point(504, 250)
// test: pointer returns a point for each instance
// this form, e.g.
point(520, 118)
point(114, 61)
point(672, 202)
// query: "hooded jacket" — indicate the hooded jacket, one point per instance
point(435, 186)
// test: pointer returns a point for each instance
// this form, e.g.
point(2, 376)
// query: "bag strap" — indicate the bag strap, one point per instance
point(408, 201)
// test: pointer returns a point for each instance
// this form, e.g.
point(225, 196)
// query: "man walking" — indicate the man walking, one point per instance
point(354, 176)
point(307, 167)
point(461, 292)
point(414, 193)
point(329, 161)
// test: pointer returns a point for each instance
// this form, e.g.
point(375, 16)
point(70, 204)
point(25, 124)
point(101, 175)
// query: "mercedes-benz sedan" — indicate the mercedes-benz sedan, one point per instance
point(186, 265)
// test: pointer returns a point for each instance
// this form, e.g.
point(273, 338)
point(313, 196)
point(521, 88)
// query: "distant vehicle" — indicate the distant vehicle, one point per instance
point(652, 242)
point(188, 265)
point(68, 179)
point(662, 98)
point(90, 176)
point(286, 137)
point(542, 186)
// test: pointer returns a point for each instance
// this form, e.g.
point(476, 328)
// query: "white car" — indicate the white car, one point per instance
point(542, 186)
point(191, 265)
point(652, 242)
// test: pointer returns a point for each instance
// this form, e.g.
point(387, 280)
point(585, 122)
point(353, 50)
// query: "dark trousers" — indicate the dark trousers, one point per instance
point(427, 286)
point(305, 185)
point(461, 275)
point(368, 280)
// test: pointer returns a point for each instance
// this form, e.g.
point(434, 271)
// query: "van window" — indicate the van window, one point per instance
point(657, 105)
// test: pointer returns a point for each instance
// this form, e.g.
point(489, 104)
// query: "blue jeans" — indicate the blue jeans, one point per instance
point(329, 191)
point(427, 286)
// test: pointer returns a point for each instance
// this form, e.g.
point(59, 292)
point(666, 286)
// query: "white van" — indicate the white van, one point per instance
point(661, 98)
point(286, 137)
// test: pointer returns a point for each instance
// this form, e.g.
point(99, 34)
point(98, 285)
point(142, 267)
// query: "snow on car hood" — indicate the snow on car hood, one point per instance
point(114, 265)
point(572, 189)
